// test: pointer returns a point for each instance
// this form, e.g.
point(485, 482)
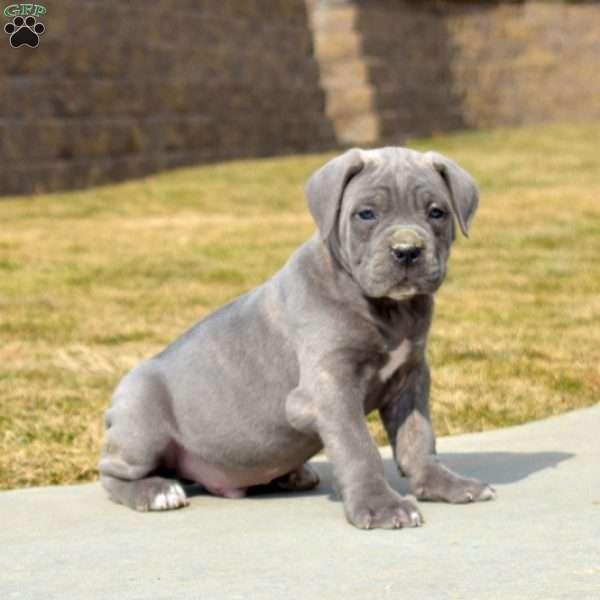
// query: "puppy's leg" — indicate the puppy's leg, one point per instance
point(135, 445)
point(408, 425)
point(334, 396)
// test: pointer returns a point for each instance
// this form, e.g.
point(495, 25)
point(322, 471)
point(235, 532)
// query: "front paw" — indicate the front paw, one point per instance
point(382, 509)
point(442, 485)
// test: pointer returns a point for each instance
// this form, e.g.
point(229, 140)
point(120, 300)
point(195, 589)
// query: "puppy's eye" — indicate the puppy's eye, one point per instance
point(436, 213)
point(367, 214)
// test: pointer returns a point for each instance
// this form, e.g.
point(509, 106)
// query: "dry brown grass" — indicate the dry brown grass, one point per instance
point(91, 282)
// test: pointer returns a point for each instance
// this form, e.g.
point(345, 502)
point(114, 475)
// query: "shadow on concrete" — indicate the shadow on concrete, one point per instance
point(492, 467)
point(502, 467)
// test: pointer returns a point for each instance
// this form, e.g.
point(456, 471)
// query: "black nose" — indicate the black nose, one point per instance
point(406, 254)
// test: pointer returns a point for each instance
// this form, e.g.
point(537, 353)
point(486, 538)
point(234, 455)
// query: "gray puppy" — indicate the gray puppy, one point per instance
point(254, 390)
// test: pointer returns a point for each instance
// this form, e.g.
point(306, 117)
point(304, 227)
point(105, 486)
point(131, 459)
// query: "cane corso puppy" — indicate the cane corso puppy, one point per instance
point(254, 390)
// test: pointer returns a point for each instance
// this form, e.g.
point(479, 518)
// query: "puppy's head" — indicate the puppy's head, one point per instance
point(388, 216)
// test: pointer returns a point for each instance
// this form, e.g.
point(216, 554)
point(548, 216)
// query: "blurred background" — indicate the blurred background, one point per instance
point(118, 89)
point(152, 161)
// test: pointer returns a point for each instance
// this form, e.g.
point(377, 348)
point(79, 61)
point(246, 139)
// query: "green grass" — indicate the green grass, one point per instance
point(92, 282)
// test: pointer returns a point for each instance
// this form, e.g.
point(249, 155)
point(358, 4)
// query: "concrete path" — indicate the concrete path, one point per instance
point(540, 539)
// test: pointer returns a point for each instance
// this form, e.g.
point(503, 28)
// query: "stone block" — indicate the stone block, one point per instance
point(330, 47)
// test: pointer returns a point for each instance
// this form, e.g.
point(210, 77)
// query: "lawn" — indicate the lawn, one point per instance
point(92, 282)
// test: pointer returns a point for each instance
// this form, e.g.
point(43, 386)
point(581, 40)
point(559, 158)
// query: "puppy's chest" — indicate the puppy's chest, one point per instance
point(396, 357)
point(393, 365)
point(397, 345)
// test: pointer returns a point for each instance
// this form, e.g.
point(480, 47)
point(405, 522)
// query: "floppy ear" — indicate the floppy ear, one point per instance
point(325, 188)
point(464, 195)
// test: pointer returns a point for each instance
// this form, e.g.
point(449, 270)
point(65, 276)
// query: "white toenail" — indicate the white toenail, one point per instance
point(488, 494)
point(160, 502)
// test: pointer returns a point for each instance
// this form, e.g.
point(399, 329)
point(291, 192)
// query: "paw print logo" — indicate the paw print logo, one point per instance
point(24, 32)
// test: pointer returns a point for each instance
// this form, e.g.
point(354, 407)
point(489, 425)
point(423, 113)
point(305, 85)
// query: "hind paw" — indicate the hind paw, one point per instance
point(160, 494)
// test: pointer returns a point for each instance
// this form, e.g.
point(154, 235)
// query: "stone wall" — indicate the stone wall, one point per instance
point(526, 62)
point(120, 89)
point(438, 65)
point(409, 57)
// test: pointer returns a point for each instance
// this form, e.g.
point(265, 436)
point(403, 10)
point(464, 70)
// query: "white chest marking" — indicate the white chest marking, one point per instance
point(396, 358)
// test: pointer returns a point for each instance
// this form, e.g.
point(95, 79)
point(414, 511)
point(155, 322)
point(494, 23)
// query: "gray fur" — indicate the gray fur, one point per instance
point(261, 385)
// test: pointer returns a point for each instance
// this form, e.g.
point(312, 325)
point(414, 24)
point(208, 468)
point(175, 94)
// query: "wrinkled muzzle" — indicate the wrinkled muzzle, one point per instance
point(404, 262)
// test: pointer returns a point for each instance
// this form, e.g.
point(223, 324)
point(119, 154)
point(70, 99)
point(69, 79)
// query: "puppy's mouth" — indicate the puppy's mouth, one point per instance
point(385, 278)
point(402, 291)
point(407, 286)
